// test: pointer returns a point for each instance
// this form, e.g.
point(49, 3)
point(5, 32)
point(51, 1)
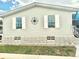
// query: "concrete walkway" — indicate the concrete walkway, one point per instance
point(77, 50)
point(23, 56)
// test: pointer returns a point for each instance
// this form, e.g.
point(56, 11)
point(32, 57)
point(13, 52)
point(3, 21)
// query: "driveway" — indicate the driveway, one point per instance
point(23, 56)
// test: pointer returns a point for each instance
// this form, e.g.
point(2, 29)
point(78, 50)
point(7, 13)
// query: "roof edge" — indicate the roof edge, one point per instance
point(33, 4)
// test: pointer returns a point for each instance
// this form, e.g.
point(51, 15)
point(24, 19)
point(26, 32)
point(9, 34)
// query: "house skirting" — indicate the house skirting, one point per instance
point(59, 41)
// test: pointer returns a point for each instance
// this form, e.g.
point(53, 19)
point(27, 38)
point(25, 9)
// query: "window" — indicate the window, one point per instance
point(1, 22)
point(51, 21)
point(73, 16)
point(1, 27)
point(50, 37)
point(18, 23)
point(17, 38)
point(0, 37)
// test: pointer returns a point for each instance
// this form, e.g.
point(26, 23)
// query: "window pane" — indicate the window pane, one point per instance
point(51, 21)
point(0, 37)
point(73, 16)
point(1, 27)
point(18, 23)
point(1, 22)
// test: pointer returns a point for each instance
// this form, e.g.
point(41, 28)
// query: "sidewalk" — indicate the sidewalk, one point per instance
point(23, 56)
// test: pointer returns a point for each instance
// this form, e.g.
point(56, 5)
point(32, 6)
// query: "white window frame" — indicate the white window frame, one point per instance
point(23, 23)
point(57, 22)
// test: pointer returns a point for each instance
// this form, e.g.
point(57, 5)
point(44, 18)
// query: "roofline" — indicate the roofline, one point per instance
point(37, 4)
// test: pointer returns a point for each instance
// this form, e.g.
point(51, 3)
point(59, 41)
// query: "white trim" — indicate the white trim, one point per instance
point(57, 23)
point(77, 50)
point(34, 4)
point(1, 34)
point(23, 23)
point(46, 21)
point(1, 18)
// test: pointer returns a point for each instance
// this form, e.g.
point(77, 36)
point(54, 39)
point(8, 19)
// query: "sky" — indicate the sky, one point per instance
point(6, 5)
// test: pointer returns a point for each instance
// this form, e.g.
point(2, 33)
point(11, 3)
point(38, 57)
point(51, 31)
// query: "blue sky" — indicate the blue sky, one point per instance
point(6, 5)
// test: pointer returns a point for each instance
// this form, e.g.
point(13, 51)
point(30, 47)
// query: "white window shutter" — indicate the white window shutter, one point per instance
point(57, 23)
point(14, 23)
point(23, 22)
point(46, 21)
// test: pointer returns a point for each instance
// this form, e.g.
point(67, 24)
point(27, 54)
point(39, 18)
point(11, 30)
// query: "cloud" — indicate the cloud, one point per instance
point(76, 5)
point(12, 4)
point(2, 11)
point(3, 0)
point(20, 2)
point(59, 2)
point(74, 1)
point(17, 4)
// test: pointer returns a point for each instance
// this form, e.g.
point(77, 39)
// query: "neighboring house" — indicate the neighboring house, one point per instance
point(75, 24)
point(38, 24)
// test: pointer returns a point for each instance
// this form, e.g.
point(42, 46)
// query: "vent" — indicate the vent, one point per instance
point(17, 38)
point(50, 37)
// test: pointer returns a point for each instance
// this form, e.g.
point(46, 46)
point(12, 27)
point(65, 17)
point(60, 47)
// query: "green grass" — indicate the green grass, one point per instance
point(39, 50)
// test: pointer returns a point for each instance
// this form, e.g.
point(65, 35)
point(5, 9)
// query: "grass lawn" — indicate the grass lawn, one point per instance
point(39, 50)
